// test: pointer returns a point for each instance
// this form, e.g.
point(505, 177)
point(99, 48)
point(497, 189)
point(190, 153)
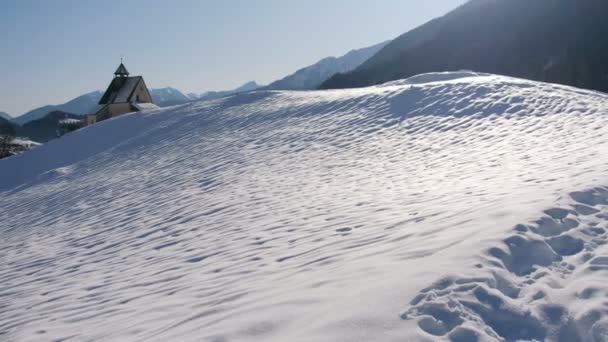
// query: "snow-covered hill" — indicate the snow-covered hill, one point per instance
point(451, 206)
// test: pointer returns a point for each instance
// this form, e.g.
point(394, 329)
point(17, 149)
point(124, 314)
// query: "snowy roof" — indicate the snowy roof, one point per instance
point(127, 89)
point(69, 121)
point(120, 90)
point(145, 106)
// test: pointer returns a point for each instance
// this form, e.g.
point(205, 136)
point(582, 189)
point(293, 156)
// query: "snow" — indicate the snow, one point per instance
point(25, 142)
point(435, 77)
point(69, 121)
point(453, 206)
point(145, 106)
point(168, 95)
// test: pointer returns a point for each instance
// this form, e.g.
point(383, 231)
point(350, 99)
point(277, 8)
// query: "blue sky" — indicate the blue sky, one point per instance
point(52, 51)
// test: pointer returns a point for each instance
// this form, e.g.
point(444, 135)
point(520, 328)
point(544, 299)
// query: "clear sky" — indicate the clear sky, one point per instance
point(54, 50)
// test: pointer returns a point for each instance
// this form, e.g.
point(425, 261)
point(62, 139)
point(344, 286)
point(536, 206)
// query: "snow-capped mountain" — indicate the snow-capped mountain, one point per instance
point(6, 116)
point(79, 105)
point(210, 95)
point(164, 97)
point(249, 86)
point(312, 76)
point(451, 206)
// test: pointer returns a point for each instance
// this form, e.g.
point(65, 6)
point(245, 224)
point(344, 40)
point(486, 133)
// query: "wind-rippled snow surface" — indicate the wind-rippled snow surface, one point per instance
point(451, 206)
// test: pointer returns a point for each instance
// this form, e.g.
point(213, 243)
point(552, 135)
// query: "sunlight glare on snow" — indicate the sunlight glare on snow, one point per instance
point(313, 216)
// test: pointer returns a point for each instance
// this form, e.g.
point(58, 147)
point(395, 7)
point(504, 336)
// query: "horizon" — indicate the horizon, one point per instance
point(51, 40)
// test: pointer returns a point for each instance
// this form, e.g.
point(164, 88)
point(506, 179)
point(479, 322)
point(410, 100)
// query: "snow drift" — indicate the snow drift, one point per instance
point(455, 206)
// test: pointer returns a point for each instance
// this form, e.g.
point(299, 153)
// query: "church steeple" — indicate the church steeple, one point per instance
point(121, 71)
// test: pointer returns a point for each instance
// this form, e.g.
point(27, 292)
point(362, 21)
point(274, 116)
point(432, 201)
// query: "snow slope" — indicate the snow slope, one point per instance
point(454, 206)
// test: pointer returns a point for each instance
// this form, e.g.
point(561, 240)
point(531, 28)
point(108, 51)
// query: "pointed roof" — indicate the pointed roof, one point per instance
point(121, 71)
point(121, 90)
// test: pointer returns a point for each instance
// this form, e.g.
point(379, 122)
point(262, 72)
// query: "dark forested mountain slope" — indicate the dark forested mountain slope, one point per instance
point(561, 41)
point(44, 129)
point(7, 127)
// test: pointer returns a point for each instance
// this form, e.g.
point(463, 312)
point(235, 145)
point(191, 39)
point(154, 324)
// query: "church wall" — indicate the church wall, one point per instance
point(117, 109)
point(142, 92)
point(113, 110)
point(90, 119)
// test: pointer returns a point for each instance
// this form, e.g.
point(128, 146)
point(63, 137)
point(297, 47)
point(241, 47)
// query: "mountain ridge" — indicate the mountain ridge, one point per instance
point(309, 77)
point(45, 128)
point(211, 95)
point(6, 116)
point(515, 38)
point(163, 97)
point(312, 76)
point(76, 105)
point(7, 126)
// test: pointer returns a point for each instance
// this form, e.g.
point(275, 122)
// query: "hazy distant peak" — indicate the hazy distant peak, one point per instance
point(312, 76)
point(78, 105)
point(168, 96)
point(210, 95)
point(249, 86)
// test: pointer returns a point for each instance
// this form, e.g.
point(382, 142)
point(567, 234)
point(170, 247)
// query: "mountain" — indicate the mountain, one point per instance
point(44, 129)
point(559, 41)
point(6, 116)
point(249, 86)
point(312, 76)
point(211, 95)
point(7, 126)
point(78, 105)
point(165, 97)
point(445, 207)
